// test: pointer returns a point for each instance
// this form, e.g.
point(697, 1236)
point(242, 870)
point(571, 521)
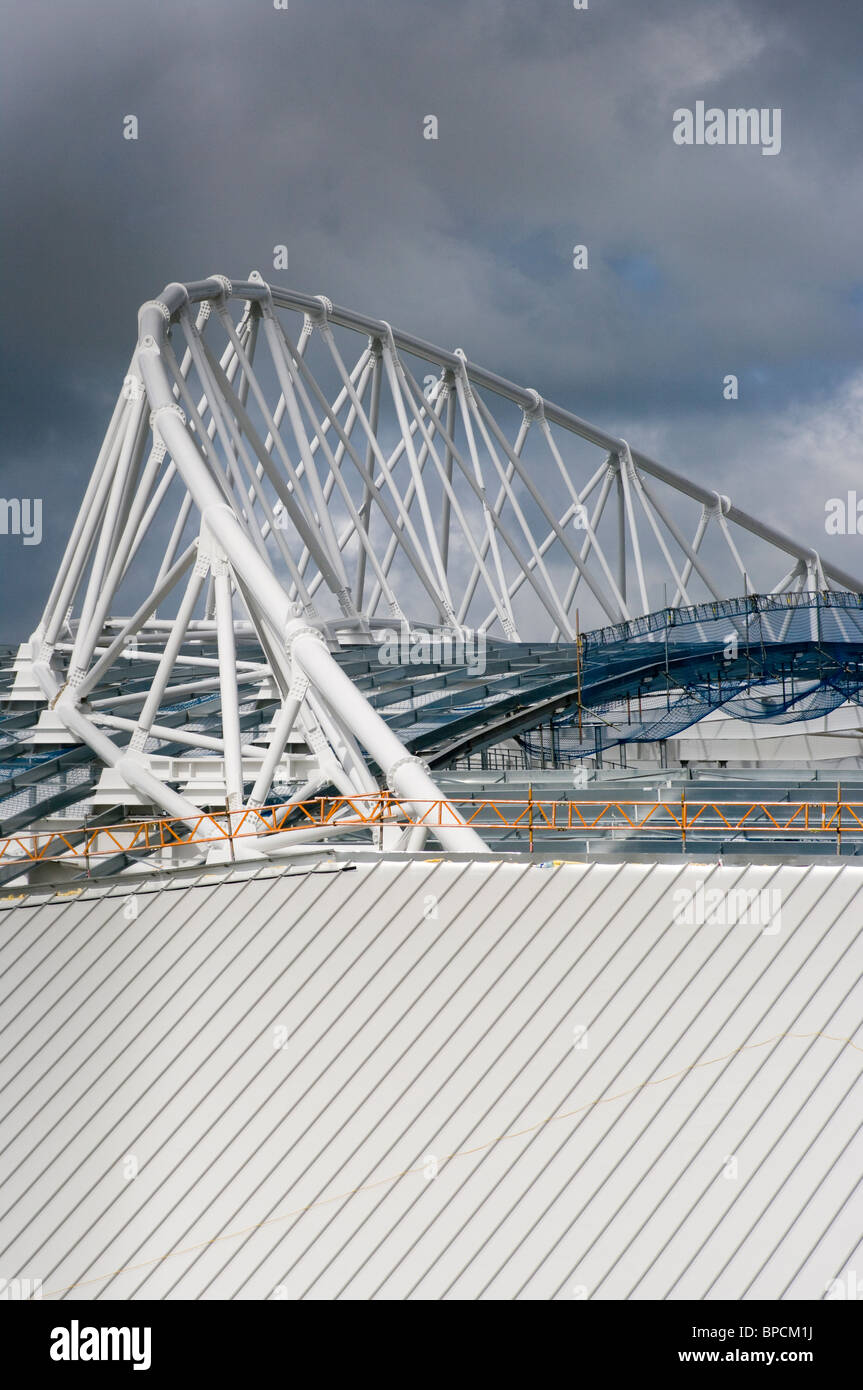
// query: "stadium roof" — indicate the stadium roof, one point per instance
point(288, 1056)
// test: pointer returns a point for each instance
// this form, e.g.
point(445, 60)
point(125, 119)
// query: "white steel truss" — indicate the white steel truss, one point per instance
point(280, 476)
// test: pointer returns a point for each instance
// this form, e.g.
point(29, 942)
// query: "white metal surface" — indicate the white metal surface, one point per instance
point(287, 1057)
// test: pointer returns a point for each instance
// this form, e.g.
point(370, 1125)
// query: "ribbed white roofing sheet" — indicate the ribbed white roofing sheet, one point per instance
point(375, 1083)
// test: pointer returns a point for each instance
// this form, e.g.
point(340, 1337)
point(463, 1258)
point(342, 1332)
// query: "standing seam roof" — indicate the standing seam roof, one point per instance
point(435, 1079)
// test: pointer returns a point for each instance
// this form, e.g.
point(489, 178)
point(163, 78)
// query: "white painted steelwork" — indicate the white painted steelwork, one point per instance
point(249, 493)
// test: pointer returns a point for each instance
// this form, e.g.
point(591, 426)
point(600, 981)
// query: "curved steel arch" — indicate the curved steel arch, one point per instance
point(530, 400)
point(278, 506)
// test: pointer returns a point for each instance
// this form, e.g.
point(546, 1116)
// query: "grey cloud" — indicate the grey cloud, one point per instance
point(259, 127)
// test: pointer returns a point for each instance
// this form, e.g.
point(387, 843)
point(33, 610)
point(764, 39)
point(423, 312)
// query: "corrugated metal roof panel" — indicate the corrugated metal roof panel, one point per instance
point(701, 1139)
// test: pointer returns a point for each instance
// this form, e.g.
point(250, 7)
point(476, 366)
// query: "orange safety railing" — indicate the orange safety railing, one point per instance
point(680, 817)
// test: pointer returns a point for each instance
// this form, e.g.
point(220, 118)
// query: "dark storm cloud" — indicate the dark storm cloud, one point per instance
point(260, 127)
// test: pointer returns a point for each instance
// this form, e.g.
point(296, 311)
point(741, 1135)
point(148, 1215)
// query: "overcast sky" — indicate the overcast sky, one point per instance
point(259, 127)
